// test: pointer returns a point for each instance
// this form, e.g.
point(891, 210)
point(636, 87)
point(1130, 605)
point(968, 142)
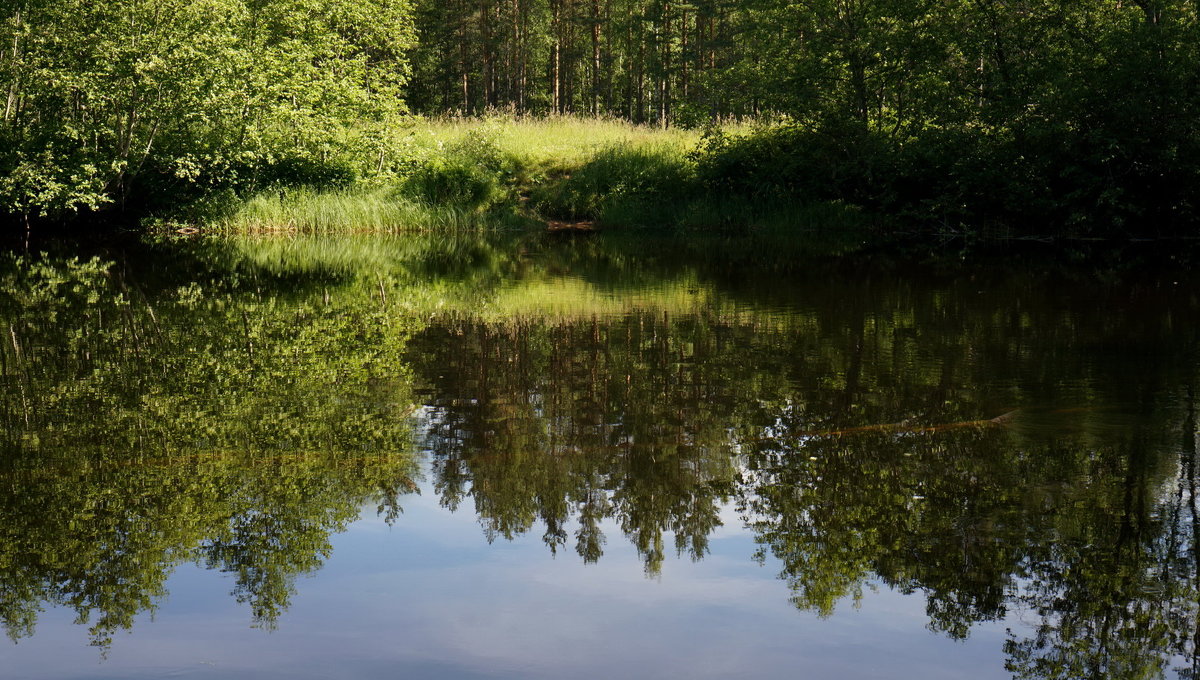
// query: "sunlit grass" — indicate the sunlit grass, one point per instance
point(557, 142)
point(365, 209)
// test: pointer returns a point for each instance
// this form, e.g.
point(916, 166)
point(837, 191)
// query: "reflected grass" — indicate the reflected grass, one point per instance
point(523, 276)
point(569, 299)
point(498, 278)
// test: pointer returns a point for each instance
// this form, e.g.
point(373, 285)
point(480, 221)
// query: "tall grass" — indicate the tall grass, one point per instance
point(458, 174)
point(352, 209)
point(656, 185)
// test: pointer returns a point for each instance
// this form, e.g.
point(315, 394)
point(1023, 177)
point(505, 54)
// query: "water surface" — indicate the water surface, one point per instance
point(521, 456)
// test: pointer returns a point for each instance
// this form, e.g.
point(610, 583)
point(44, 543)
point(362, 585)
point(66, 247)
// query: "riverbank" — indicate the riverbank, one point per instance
point(579, 174)
point(558, 173)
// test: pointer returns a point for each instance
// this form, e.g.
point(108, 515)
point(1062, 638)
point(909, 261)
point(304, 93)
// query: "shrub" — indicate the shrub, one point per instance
point(472, 173)
point(617, 179)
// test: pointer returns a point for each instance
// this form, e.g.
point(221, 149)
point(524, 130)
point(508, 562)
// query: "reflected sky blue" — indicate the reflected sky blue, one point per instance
point(428, 597)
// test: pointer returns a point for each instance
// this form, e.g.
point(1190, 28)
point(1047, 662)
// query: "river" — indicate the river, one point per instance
point(595, 456)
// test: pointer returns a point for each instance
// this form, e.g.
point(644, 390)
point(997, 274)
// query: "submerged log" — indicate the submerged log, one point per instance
point(904, 427)
point(580, 226)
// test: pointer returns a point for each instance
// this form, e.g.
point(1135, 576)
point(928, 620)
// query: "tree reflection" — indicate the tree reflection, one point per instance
point(1116, 591)
point(983, 440)
point(582, 422)
point(999, 459)
point(223, 426)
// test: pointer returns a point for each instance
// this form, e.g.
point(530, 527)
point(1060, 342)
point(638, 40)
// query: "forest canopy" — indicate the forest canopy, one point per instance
point(943, 110)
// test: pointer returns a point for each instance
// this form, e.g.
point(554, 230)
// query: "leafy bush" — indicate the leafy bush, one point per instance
point(108, 100)
point(471, 173)
point(455, 181)
point(800, 163)
point(618, 178)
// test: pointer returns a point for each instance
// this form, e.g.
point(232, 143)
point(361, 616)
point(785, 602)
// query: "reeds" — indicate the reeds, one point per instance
point(353, 209)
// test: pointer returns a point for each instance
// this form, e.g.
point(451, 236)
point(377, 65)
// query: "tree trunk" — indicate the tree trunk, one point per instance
point(595, 57)
point(556, 57)
point(10, 103)
point(488, 72)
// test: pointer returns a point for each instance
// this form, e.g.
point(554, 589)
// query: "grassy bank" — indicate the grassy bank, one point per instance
point(466, 174)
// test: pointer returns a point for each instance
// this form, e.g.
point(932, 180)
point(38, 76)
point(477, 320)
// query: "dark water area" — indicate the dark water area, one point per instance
point(609, 456)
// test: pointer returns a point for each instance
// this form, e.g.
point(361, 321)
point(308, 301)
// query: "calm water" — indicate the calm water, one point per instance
point(520, 457)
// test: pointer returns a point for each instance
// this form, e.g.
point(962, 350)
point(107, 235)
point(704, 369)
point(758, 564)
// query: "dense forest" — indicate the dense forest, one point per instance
point(1069, 116)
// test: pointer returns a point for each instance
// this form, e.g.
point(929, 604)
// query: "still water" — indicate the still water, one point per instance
point(533, 457)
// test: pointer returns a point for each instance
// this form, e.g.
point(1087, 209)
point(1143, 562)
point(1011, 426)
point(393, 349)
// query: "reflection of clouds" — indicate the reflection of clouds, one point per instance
point(732, 526)
point(429, 598)
point(513, 611)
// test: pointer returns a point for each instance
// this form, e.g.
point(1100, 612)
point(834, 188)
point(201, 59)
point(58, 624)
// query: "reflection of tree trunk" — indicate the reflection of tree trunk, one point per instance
point(1133, 521)
point(909, 428)
point(1189, 465)
point(947, 382)
point(854, 370)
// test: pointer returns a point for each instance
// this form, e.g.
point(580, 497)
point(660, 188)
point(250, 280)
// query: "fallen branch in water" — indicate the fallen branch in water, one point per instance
point(905, 427)
point(582, 226)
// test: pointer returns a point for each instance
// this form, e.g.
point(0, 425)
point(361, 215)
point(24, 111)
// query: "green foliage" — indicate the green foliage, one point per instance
point(635, 178)
point(205, 422)
point(797, 162)
point(471, 173)
point(454, 181)
point(957, 115)
point(1041, 118)
point(108, 102)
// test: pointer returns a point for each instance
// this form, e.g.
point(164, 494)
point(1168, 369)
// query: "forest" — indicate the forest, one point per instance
point(965, 116)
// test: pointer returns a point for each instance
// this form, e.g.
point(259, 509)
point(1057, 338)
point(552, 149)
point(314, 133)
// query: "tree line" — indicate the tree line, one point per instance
point(954, 110)
point(950, 111)
point(648, 61)
point(891, 64)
